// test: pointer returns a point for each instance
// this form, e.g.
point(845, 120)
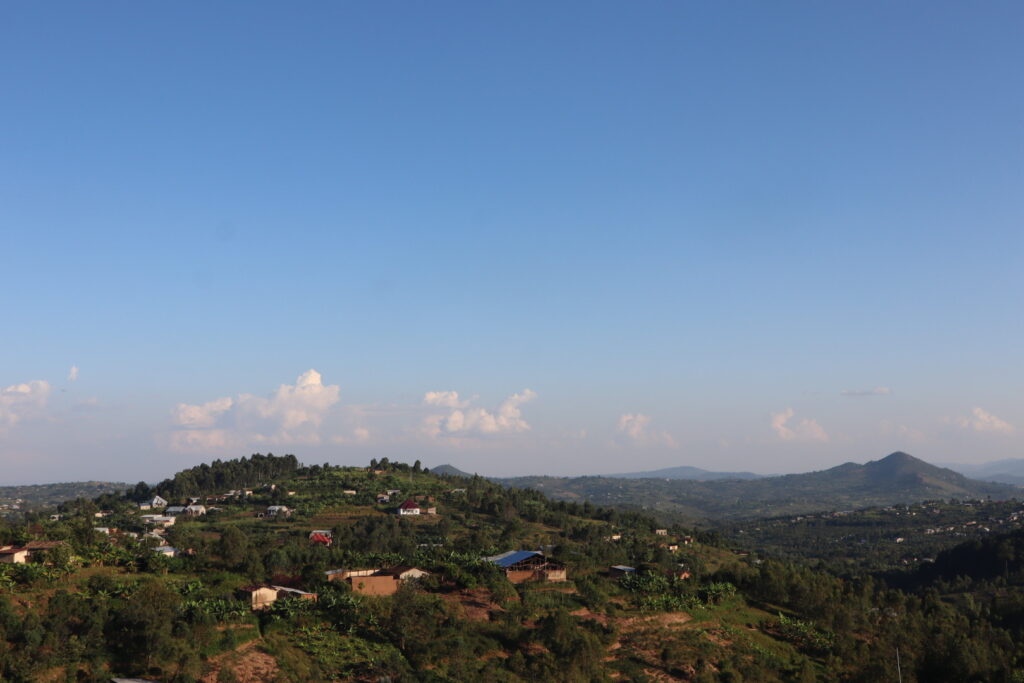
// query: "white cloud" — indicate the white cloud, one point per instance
point(202, 416)
point(982, 421)
point(20, 401)
point(444, 399)
point(634, 428)
point(463, 420)
point(877, 391)
point(804, 430)
point(73, 373)
point(291, 415)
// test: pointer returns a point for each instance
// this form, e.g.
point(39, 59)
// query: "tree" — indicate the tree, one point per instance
point(233, 546)
point(143, 625)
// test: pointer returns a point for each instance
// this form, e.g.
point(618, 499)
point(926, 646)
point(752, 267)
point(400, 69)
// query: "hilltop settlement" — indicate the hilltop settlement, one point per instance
point(264, 569)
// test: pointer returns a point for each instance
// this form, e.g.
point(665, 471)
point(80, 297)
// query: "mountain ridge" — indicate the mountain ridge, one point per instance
point(898, 478)
point(685, 472)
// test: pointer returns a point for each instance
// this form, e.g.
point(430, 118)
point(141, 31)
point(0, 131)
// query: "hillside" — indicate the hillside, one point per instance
point(685, 472)
point(31, 496)
point(896, 479)
point(241, 590)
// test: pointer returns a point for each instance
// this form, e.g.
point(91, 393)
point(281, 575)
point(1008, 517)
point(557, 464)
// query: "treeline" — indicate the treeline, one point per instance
point(219, 476)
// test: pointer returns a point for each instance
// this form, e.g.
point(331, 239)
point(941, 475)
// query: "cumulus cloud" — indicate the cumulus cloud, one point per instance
point(20, 401)
point(444, 399)
point(463, 420)
point(634, 428)
point(201, 416)
point(73, 373)
point(292, 414)
point(982, 421)
point(877, 391)
point(804, 430)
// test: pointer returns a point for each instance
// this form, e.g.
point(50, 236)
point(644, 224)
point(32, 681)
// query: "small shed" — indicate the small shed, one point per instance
point(260, 597)
point(12, 555)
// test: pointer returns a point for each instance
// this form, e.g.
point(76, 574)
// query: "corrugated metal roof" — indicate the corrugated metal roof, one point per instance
point(511, 557)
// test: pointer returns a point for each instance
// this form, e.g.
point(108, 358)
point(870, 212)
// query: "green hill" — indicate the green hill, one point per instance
point(91, 605)
point(685, 472)
point(896, 479)
point(449, 471)
point(41, 495)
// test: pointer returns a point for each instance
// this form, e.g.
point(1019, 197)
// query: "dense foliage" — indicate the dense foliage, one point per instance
point(689, 609)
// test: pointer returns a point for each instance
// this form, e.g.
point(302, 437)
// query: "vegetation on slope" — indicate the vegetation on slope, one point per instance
point(102, 605)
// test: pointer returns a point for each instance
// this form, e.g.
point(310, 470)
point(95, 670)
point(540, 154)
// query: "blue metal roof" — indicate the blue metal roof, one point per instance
point(511, 557)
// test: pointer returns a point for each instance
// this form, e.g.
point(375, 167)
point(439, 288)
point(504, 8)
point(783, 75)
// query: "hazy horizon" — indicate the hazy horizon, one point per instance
point(521, 240)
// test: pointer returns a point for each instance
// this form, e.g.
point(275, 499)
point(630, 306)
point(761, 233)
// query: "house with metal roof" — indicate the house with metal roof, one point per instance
point(528, 565)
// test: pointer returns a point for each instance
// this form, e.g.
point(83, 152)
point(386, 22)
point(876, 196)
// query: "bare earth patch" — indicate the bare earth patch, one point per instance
point(476, 604)
point(247, 662)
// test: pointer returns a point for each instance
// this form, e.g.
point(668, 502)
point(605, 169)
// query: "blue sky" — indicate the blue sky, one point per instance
point(771, 237)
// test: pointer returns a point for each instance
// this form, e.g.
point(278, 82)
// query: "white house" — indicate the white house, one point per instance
point(156, 537)
point(279, 510)
point(195, 510)
point(158, 520)
point(157, 502)
point(409, 507)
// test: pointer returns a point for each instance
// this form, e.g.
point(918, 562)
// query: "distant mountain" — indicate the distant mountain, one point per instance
point(449, 471)
point(896, 479)
point(39, 495)
point(686, 472)
point(1010, 471)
